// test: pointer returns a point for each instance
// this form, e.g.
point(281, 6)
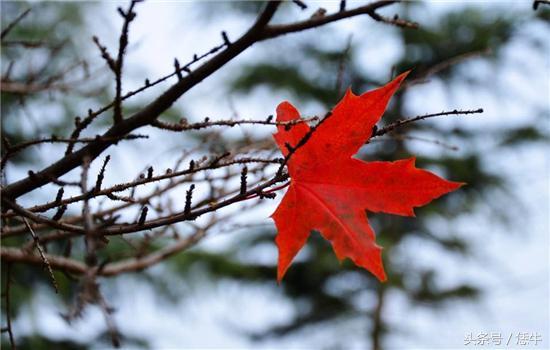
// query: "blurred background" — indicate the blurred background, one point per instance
point(471, 263)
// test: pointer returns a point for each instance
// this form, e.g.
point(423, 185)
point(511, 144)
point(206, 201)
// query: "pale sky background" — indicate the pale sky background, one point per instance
point(512, 266)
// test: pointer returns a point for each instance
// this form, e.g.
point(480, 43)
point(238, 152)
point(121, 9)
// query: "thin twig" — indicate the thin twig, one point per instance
point(396, 21)
point(111, 63)
point(89, 227)
point(300, 4)
point(128, 16)
point(207, 123)
point(101, 175)
point(42, 255)
point(11, 25)
point(402, 122)
point(9, 328)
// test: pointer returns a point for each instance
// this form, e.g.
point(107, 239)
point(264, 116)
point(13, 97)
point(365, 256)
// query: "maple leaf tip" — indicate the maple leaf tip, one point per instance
point(455, 185)
point(399, 79)
point(349, 93)
point(284, 104)
point(280, 275)
point(380, 274)
point(404, 74)
point(286, 111)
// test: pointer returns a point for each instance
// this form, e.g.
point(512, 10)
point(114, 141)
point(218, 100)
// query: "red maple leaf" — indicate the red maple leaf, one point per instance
point(330, 191)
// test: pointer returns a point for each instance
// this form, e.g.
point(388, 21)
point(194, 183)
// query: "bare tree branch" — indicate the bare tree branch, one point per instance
point(12, 24)
point(110, 269)
point(402, 122)
point(258, 32)
point(42, 255)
